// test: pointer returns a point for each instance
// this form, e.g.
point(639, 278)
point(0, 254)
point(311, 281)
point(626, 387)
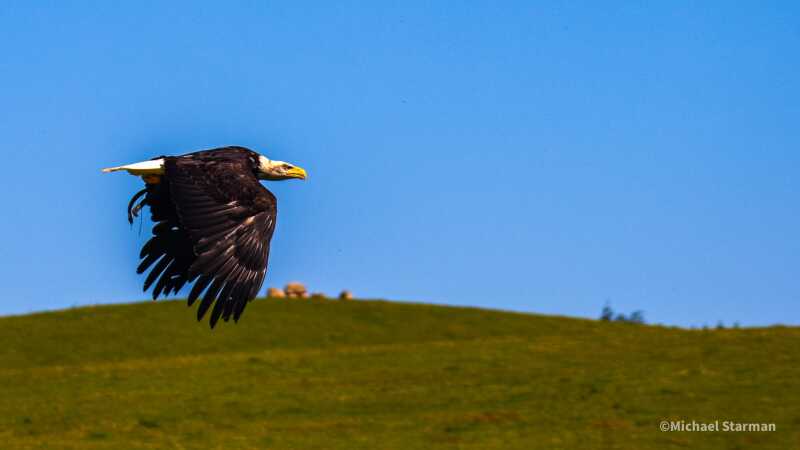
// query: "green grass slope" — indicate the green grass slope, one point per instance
point(379, 375)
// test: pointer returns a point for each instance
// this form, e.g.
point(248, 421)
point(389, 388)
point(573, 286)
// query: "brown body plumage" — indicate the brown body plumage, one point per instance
point(213, 225)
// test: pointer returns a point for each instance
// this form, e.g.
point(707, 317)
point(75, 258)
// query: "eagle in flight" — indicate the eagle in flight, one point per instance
point(213, 224)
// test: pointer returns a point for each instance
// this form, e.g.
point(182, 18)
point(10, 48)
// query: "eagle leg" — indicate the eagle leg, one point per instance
point(133, 211)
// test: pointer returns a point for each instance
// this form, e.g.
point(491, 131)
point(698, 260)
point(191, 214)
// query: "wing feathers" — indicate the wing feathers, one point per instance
point(214, 222)
point(209, 298)
point(198, 288)
point(155, 272)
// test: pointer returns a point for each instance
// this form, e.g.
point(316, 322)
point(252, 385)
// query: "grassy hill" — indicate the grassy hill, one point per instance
point(380, 375)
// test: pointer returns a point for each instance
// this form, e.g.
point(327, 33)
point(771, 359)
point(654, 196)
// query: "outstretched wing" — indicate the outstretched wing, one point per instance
point(229, 218)
point(169, 253)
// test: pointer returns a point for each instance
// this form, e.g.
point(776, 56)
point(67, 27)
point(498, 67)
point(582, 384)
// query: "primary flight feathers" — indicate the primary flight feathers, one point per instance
point(213, 225)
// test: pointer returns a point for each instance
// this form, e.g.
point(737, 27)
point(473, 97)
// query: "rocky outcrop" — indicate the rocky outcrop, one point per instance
point(274, 292)
point(296, 289)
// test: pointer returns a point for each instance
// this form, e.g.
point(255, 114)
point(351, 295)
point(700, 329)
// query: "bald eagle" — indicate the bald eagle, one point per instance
point(213, 225)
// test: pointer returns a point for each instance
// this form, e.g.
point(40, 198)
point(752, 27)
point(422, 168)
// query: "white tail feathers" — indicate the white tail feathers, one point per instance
point(152, 167)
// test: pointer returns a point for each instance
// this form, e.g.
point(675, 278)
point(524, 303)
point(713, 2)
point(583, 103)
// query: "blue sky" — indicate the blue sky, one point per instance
point(531, 156)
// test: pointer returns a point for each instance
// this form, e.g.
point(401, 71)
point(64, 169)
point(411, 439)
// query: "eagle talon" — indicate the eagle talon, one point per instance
point(137, 209)
point(133, 211)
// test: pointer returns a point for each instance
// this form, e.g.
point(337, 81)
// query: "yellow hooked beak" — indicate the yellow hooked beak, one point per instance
point(297, 172)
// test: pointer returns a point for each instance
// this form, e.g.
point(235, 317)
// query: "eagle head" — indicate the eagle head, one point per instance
point(267, 169)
